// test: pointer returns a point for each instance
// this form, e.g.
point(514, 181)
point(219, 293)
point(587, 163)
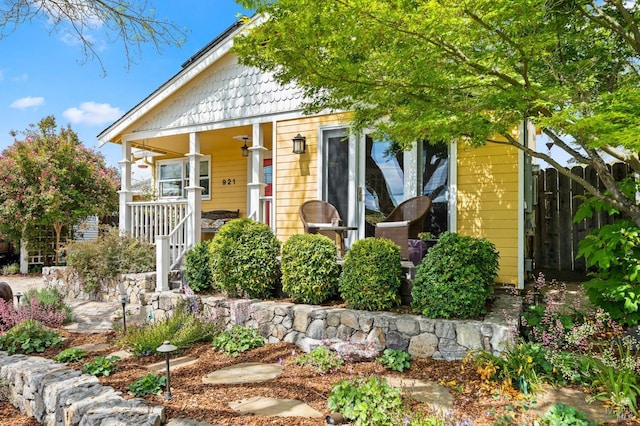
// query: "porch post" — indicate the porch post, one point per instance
point(255, 187)
point(125, 189)
point(194, 191)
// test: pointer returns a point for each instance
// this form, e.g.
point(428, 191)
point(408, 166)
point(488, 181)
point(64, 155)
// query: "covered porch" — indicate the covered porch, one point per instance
point(234, 174)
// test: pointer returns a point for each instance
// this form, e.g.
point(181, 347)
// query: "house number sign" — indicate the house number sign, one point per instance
point(228, 181)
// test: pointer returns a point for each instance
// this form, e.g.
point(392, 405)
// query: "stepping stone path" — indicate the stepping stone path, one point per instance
point(261, 406)
point(93, 347)
point(249, 372)
point(174, 363)
point(429, 392)
point(255, 372)
point(548, 396)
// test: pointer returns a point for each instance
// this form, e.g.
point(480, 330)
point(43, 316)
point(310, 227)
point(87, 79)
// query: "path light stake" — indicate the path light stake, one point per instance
point(124, 299)
point(18, 296)
point(166, 348)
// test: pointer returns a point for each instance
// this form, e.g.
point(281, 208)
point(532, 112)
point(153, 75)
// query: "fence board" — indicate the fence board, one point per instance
point(556, 236)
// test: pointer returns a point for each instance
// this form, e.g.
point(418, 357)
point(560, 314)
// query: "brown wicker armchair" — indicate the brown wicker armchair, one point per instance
point(318, 212)
point(404, 222)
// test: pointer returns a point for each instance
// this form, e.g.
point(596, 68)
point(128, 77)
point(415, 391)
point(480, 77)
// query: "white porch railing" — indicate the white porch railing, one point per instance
point(150, 219)
point(162, 223)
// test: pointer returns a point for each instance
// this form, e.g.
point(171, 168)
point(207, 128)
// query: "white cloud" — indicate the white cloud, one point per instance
point(27, 102)
point(92, 113)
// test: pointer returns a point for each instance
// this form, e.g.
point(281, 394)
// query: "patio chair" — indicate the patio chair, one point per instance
point(404, 222)
point(321, 213)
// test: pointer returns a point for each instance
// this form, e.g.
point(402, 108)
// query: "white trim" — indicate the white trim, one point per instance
point(453, 186)
point(217, 125)
point(522, 136)
point(184, 161)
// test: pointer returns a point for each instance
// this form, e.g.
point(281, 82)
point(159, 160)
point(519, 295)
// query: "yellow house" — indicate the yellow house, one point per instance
point(235, 126)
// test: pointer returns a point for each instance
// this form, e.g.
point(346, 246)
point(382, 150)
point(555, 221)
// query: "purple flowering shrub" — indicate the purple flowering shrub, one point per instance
point(547, 318)
point(35, 310)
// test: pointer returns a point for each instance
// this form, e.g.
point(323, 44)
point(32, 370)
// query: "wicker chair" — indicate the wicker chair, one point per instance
point(318, 212)
point(404, 222)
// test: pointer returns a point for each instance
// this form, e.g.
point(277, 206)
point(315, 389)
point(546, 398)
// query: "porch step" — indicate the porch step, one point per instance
point(174, 285)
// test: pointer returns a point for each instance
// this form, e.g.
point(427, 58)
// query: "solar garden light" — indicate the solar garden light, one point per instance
point(166, 348)
point(18, 296)
point(124, 299)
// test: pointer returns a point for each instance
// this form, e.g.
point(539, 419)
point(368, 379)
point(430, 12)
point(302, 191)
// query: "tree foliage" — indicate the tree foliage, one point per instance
point(50, 178)
point(467, 71)
point(133, 23)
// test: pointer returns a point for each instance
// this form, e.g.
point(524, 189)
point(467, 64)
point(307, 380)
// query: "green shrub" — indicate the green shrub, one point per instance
point(48, 297)
point(321, 359)
point(27, 337)
point(182, 328)
point(396, 360)
point(524, 366)
point(369, 401)
point(11, 269)
point(101, 366)
point(197, 267)
point(563, 415)
point(151, 384)
point(106, 257)
point(244, 259)
point(309, 269)
point(371, 275)
point(613, 252)
point(237, 340)
point(456, 278)
point(70, 355)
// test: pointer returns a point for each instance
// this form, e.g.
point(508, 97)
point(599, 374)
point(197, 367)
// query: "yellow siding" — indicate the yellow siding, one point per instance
point(297, 178)
point(227, 163)
point(487, 201)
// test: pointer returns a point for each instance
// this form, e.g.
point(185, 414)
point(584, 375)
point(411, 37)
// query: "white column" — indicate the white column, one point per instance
point(125, 188)
point(194, 191)
point(255, 187)
point(413, 172)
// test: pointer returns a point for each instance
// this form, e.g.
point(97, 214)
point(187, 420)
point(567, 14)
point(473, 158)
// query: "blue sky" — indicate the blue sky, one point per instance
point(42, 73)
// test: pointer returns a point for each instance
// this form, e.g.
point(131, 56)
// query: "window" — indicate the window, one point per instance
point(173, 177)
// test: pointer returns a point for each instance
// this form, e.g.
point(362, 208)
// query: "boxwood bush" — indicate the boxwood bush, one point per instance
point(197, 267)
point(309, 269)
point(244, 259)
point(455, 279)
point(371, 275)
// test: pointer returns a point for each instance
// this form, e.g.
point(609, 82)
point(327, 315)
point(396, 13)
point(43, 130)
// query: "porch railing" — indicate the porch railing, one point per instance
point(150, 219)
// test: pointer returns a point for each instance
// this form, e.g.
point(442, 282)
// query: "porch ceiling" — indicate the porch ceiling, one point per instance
point(179, 144)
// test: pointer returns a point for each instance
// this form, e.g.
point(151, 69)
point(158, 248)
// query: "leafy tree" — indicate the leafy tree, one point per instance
point(468, 71)
point(134, 23)
point(50, 178)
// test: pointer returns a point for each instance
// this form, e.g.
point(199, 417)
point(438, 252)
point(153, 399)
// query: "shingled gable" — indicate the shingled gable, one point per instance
point(211, 88)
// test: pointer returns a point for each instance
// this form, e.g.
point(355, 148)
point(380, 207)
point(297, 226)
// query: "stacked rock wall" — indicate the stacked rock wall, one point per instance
point(54, 395)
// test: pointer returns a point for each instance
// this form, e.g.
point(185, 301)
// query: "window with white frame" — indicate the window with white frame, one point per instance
point(173, 177)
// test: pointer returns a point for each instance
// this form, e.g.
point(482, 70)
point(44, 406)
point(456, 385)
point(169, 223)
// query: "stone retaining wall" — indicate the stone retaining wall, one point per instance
point(55, 394)
point(307, 325)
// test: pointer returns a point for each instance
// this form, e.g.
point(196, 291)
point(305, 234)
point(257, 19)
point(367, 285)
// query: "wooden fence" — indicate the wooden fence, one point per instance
point(556, 236)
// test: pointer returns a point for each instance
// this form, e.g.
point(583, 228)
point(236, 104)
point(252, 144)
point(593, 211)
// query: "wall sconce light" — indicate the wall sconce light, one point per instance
point(244, 148)
point(166, 348)
point(299, 144)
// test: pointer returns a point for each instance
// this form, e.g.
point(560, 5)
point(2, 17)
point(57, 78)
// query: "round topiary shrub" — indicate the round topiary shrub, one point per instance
point(371, 275)
point(309, 269)
point(197, 267)
point(244, 259)
point(455, 279)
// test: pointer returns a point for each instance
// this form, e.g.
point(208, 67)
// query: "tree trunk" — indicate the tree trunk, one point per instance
point(57, 227)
